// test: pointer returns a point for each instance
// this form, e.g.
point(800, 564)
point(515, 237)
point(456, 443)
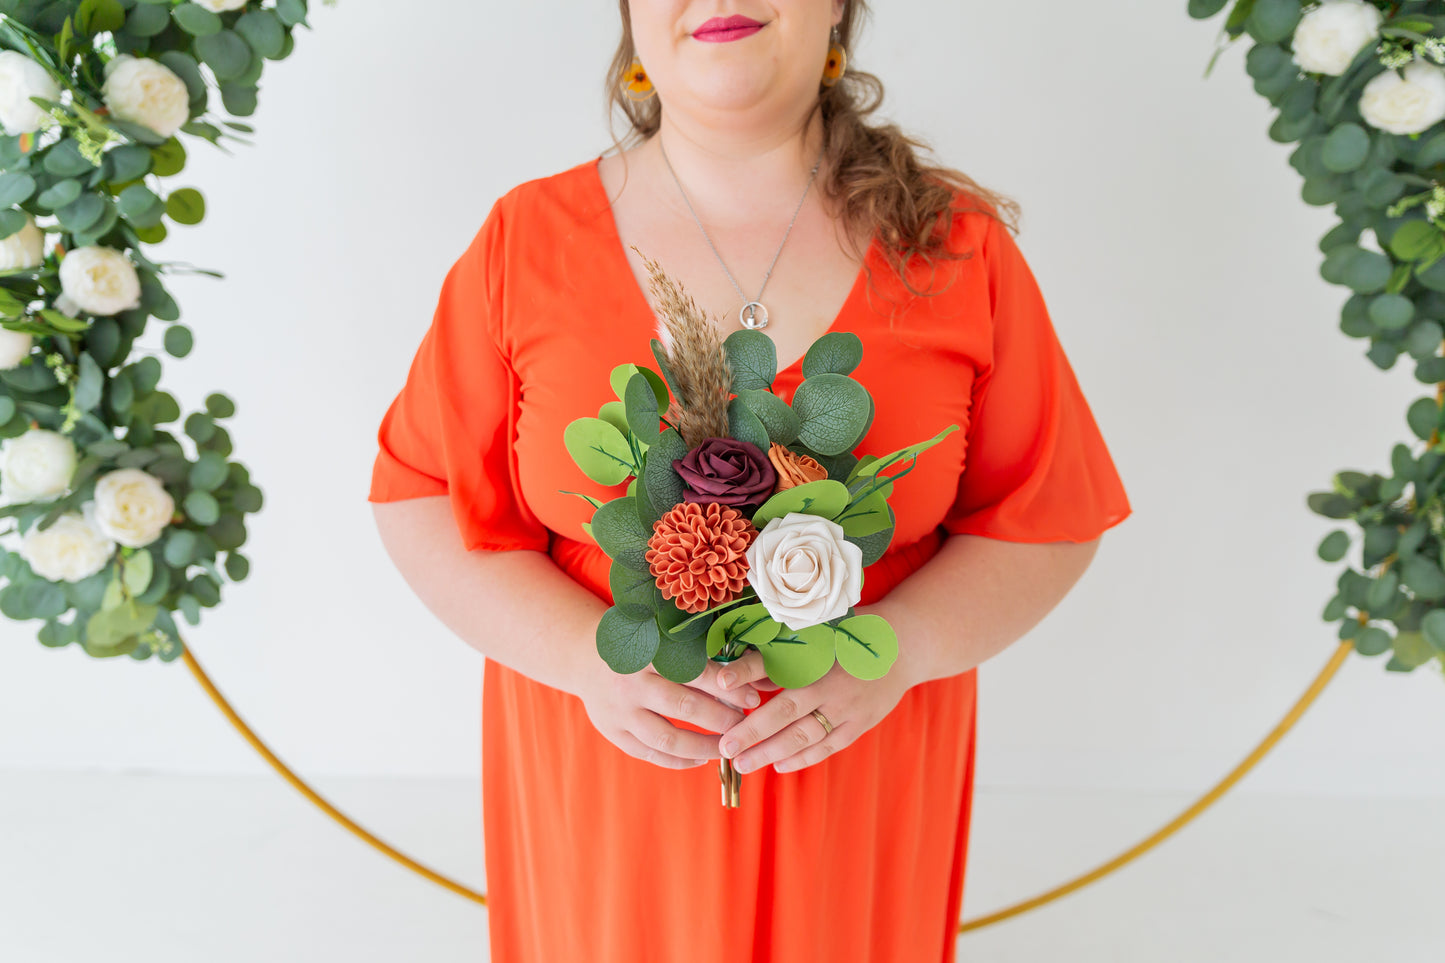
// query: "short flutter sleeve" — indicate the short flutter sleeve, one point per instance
point(451, 430)
point(1036, 468)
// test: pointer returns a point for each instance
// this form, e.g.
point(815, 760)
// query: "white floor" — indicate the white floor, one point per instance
point(158, 869)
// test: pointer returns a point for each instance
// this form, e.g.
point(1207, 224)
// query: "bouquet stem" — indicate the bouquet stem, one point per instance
point(732, 784)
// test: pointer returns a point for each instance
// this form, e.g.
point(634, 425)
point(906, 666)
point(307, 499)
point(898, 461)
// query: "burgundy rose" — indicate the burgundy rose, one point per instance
point(726, 471)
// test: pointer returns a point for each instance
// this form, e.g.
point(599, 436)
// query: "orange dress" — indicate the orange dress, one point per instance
point(594, 855)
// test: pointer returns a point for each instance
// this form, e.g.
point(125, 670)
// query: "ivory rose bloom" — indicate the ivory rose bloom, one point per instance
point(146, 92)
point(20, 79)
point(38, 465)
point(804, 571)
point(23, 249)
point(97, 279)
point(220, 6)
point(14, 347)
point(1329, 36)
point(1405, 104)
point(71, 549)
point(132, 507)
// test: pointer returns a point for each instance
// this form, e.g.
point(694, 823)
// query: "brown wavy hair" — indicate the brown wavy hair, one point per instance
point(875, 170)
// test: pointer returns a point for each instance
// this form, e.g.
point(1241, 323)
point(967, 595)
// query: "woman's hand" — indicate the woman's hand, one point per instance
point(786, 734)
point(633, 710)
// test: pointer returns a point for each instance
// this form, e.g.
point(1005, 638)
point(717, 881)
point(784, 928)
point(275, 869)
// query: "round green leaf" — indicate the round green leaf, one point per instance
point(1334, 546)
point(209, 471)
point(627, 638)
point(1346, 148)
point(620, 533)
point(1391, 311)
point(186, 206)
point(600, 450)
point(679, 660)
point(867, 646)
point(832, 409)
point(16, 187)
point(178, 340)
point(797, 658)
point(202, 508)
point(1372, 640)
point(225, 53)
point(837, 351)
point(753, 358)
point(197, 20)
point(1433, 626)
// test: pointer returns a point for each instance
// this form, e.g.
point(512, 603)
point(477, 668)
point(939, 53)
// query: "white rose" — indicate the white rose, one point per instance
point(97, 279)
point(146, 92)
point(20, 79)
point(1405, 104)
point(1329, 36)
point(132, 506)
point(14, 347)
point(71, 549)
point(38, 465)
point(804, 571)
point(220, 6)
point(23, 249)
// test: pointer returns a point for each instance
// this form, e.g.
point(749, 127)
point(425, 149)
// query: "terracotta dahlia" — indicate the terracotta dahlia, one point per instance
point(698, 554)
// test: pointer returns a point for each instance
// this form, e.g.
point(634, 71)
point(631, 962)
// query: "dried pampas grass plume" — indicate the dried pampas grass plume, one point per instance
point(695, 358)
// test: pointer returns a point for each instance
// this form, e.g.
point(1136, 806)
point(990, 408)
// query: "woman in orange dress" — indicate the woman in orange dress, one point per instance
point(605, 839)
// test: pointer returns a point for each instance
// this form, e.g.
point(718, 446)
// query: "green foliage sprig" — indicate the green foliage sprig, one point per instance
point(1359, 87)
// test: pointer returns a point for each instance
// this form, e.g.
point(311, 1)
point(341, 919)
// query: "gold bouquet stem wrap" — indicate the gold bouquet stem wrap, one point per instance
point(732, 784)
point(732, 780)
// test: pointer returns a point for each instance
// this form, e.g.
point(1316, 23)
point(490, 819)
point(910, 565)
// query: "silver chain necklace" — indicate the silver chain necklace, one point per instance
point(748, 313)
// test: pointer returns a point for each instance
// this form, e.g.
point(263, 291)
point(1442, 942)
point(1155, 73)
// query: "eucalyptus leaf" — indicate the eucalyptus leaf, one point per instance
point(832, 410)
point(627, 638)
point(753, 358)
point(619, 532)
point(838, 352)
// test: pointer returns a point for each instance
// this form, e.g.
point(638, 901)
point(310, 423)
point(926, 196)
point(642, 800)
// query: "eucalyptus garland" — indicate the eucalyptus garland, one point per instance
point(124, 511)
point(1360, 87)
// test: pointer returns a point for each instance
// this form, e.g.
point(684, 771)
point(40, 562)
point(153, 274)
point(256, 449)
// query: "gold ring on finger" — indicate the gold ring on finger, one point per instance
point(827, 726)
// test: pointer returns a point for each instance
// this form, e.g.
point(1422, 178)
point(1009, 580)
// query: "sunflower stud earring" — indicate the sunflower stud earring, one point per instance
point(635, 82)
point(837, 61)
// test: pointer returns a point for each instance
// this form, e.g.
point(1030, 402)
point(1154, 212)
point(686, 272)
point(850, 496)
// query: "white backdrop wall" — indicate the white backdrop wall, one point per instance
point(1179, 265)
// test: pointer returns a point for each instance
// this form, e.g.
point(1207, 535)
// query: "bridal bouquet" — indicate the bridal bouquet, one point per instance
point(747, 521)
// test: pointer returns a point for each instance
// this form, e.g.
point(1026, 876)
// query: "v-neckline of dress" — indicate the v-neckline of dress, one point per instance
point(639, 297)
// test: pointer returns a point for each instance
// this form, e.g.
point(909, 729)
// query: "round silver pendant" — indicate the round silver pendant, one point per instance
point(748, 315)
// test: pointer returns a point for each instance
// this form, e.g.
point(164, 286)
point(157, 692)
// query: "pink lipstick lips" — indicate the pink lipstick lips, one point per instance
point(724, 29)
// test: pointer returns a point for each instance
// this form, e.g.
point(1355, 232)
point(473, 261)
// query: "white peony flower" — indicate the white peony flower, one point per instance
point(803, 569)
point(20, 79)
point(132, 506)
point(38, 465)
point(146, 92)
point(97, 279)
point(23, 249)
point(1405, 104)
point(1329, 36)
point(220, 6)
point(14, 347)
point(71, 549)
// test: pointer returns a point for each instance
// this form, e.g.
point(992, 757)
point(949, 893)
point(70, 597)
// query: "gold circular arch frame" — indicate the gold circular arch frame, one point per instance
point(1134, 852)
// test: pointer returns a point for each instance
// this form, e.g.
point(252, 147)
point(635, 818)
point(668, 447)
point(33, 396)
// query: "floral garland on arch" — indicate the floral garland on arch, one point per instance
point(118, 520)
point(1361, 87)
